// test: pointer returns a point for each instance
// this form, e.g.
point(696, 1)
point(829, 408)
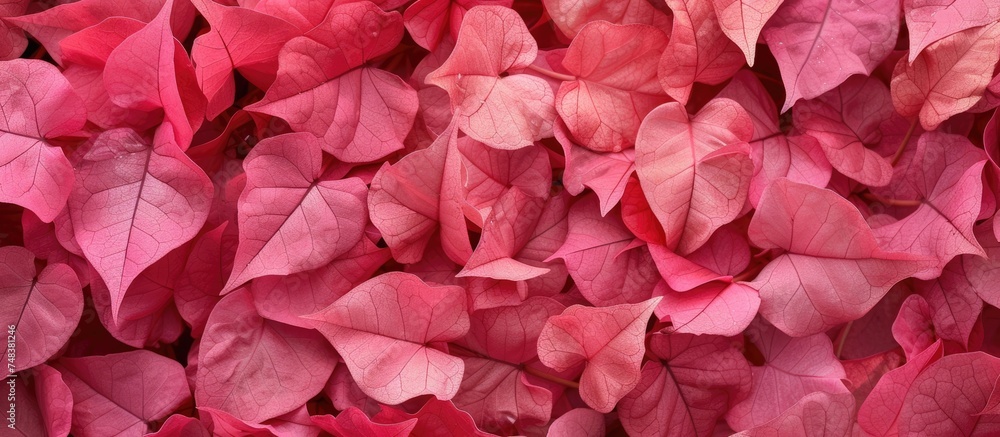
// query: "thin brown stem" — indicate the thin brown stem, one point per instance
point(550, 73)
point(902, 144)
point(842, 337)
point(550, 377)
point(889, 201)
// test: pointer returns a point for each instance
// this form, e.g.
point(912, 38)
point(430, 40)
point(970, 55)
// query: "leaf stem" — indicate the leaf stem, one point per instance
point(902, 144)
point(842, 338)
point(550, 377)
point(550, 73)
point(889, 201)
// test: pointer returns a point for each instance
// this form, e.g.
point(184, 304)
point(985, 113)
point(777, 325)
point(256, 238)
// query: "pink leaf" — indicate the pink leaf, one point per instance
point(38, 105)
point(150, 70)
point(12, 40)
point(717, 308)
point(983, 273)
point(578, 422)
point(879, 414)
point(929, 21)
point(571, 16)
point(818, 46)
point(684, 393)
point(437, 418)
point(43, 404)
point(291, 198)
point(430, 21)
point(793, 368)
point(204, 276)
point(122, 393)
point(181, 426)
point(913, 328)
point(605, 173)
point(698, 50)
point(817, 413)
point(239, 39)
point(410, 198)
point(354, 422)
point(725, 254)
point(603, 258)
point(44, 308)
point(512, 220)
point(948, 77)
point(382, 329)
point(848, 121)
point(695, 171)
point(243, 358)
point(508, 112)
point(943, 174)
point(134, 203)
point(954, 302)
point(833, 270)
point(322, 86)
point(487, 173)
point(947, 397)
point(608, 340)
point(616, 84)
point(742, 21)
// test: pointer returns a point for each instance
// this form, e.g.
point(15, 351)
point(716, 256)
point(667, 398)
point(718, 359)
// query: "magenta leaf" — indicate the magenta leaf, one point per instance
point(606, 174)
point(879, 414)
point(431, 21)
point(571, 16)
point(608, 340)
point(698, 50)
point(437, 418)
point(578, 422)
point(134, 203)
point(122, 393)
point(793, 368)
point(178, 425)
point(816, 412)
point(291, 198)
point(819, 45)
point(833, 269)
point(12, 40)
point(616, 84)
point(43, 308)
point(511, 222)
point(487, 173)
point(913, 328)
point(929, 21)
point(717, 308)
point(240, 39)
point(39, 104)
point(947, 397)
point(389, 353)
point(694, 382)
point(354, 422)
point(503, 111)
point(742, 21)
point(947, 78)
point(257, 369)
point(695, 171)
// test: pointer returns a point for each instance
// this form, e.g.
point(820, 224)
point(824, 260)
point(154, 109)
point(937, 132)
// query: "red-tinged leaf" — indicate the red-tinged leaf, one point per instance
point(53, 25)
point(864, 373)
point(150, 70)
point(608, 340)
point(178, 425)
point(717, 308)
point(495, 389)
point(386, 345)
point(983, 273)
point(578, 422)
point(637, 214)
point(296, 423)
point(503, 111)
point(39, 104)
point(510, 224)
point(695, 171)
point(913, 328)
point(944, 174)
point(929, 21)
point(945, 399)
point(879, 414)
point(488, 172)
point(147, 316)
point(954, 303)
point(430, 21)
point(408, 200)
point(354, 422)
point(362, 114)
point(43, 404)
point(571, 16)
point(793, 368)
point(818, 46)
point(240, 39)
point(947, 78)
point(606, 262)
point(850, 120)
point(816, 414)
point(12, 40)
point(44, 309)
point(605, 173)
point(292, 199)
point(437, 418)
point(616, 83)
point(698, 50)
point(685, 393)
point(133, 203)
point(742, 21)
point(286, 299)
point(800, 158)
point(833, 269)
point(726, 253)
point(204, 275)
point(304, 14)
point(120, 394)
point(256, 369)
point(344, 393)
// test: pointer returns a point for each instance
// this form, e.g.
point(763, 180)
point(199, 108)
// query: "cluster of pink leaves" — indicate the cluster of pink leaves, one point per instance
point(501, 217)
